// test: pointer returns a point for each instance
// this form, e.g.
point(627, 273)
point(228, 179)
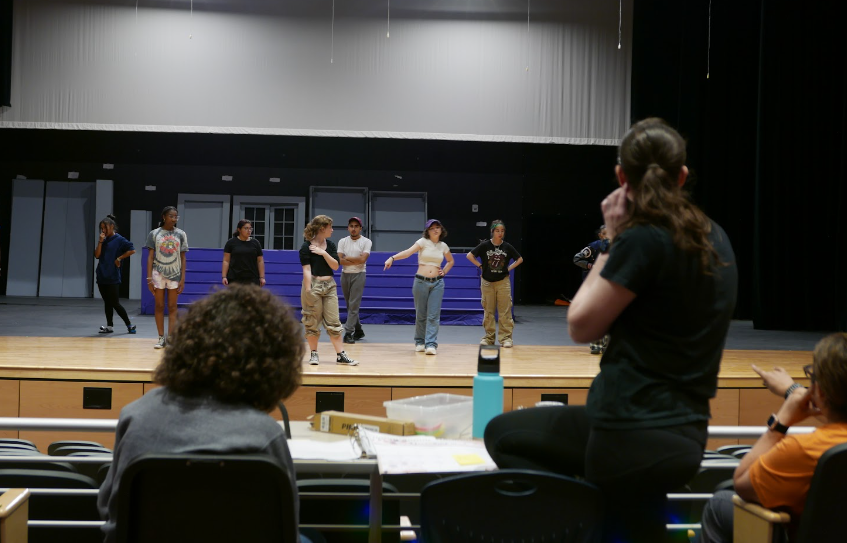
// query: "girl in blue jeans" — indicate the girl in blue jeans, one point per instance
point(428, 288)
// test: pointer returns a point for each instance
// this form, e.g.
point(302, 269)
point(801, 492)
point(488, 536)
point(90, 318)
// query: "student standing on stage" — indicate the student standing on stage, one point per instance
point(319, 298)
point(166, 269)
point(665, 292)
point(428, 288)
point(243, 259)
point(585, 260)
point(495, 286)
point(353, 253)
point(111, 250)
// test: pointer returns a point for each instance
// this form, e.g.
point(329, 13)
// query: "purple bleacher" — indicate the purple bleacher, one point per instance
point(387, 298)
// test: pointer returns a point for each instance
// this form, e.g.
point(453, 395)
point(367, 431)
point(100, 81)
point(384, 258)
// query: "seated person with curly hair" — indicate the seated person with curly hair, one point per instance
point(234, 356)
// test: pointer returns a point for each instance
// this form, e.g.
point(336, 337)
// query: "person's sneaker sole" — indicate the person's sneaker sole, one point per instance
point(104, 330)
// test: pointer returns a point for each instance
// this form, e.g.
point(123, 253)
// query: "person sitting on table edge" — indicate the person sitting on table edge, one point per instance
point(778, 470)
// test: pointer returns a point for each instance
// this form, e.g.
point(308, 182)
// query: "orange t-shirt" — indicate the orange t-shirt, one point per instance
point(782, 476)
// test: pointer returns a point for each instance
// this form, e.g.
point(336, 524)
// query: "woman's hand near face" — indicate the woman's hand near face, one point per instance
point(615, 211)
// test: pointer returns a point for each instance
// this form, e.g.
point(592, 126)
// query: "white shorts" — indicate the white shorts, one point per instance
point(161, 282)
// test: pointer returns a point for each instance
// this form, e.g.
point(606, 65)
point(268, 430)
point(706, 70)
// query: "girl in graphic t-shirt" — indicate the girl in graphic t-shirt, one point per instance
point(166, 269)
point(428, 288)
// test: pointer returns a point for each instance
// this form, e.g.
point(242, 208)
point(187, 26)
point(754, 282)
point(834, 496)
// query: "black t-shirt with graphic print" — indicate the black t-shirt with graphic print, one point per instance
point(495, 259)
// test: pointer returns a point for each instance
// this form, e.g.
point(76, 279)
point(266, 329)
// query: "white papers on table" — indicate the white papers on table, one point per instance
point(332, 451)
point(426, 454)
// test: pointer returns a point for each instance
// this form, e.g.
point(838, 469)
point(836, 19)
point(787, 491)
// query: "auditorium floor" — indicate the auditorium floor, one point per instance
point(535, 325)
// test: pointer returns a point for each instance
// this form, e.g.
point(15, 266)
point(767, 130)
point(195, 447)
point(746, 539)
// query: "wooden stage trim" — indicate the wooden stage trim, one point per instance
point(381, 365)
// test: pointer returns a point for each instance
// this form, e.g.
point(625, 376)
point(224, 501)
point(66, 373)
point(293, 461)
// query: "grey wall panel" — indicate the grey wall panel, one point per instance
point(53, 240)
point(205, 219)
point(397, 219)
point(341, 204)
point(139, 226)
point(24, 237)
point(103, 206)
point(78, 269)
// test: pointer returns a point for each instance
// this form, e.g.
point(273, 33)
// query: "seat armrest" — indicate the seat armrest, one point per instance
point(774, 517)
point(14, 514)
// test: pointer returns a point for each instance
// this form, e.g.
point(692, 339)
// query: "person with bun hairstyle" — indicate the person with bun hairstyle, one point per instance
point(112, 249)
point(428, 288)
point(244, 261)
point(233, 357)
point(665, 293)
point(319, 297)
point(166, 269)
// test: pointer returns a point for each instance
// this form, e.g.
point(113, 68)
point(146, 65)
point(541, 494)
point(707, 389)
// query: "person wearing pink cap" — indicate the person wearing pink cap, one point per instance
point(353, 253)
point(428, 288)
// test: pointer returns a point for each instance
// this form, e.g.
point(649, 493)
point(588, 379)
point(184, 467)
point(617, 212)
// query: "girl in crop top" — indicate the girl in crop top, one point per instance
point(428, 288)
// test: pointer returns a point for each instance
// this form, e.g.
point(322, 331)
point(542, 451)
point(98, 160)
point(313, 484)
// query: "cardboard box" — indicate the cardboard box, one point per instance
point(338, 422)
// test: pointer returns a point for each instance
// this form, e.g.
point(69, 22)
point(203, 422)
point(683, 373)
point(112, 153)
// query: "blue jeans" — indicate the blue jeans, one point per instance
point(428, 298)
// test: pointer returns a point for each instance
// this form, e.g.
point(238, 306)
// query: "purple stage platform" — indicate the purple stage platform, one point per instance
point(387, 298)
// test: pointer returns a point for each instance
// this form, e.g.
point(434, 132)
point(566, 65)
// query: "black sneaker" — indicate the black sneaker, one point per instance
point(358, 334)
point(342, 358)
point(130, 329)
point(106, 330)
point(348, 338)
point(596, 348)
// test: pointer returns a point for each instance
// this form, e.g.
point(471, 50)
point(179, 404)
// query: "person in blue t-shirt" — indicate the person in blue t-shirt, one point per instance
point(585, 260)
point(111, 250)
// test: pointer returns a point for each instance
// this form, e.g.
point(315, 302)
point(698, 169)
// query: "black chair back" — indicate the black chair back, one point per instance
point(510, 506)
point(211, 498)
point(827, 498)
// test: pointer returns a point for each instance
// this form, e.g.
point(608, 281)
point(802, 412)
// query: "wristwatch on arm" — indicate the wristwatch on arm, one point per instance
point(776, 426)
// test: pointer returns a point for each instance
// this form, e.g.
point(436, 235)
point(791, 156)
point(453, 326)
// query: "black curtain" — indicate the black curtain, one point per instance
point(6, 52)
point(766, 141)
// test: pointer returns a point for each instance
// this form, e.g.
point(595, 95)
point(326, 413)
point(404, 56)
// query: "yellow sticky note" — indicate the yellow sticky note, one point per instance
point(468, 459)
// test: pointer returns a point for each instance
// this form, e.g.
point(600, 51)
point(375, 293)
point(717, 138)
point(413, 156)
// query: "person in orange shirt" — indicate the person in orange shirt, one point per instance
point(777, 472)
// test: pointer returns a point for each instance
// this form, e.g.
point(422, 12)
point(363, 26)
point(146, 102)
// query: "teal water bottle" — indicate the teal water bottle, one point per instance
point(487, 389)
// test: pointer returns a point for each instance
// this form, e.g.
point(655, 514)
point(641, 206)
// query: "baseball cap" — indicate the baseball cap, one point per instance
point(357, 219)
point(431, 222)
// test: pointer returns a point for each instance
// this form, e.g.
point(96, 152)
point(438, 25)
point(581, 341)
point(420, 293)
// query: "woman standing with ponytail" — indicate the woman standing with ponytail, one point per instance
point(665, 293)
point(112, 249)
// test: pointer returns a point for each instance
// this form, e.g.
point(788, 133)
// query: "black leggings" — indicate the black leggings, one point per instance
point(635, 469)
point(111, 301)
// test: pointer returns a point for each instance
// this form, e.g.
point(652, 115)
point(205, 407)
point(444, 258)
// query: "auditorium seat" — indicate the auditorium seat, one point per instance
point(822, 515)
point(510, 506)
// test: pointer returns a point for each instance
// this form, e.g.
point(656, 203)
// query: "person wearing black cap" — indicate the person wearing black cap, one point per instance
point(428, 288)
point(585, 260)
point(353, 253)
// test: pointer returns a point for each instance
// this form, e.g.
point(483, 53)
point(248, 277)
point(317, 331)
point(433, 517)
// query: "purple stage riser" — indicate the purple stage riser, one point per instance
point(388, 294)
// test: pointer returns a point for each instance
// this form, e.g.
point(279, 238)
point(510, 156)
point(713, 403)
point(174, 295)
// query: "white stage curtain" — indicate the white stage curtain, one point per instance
point(454, 70)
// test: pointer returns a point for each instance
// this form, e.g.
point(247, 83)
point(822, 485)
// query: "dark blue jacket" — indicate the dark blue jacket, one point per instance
point(113, 247)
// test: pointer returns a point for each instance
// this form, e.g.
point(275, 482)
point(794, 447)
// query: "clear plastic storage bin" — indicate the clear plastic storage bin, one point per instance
point(441, 415)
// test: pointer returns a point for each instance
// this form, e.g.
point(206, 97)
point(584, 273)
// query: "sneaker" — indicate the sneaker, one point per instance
point(358, 334)
point(342, 358)
point(106, 330)
point(130, 329)
point(348, 338)
point(313, 359)
point(484, 341)
point(430, 350)
point(596, 348)
point(506, 344)
point(161, 343)
point(419, 348)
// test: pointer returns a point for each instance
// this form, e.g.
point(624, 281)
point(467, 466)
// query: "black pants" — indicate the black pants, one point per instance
point(244, 281)
point(635, 469)
point(111, 301)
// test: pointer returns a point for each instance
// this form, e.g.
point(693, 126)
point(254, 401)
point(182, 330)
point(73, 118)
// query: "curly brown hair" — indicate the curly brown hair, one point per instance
point(443, 232)
point(241, 345)
point(315, 226)
point(830, 363)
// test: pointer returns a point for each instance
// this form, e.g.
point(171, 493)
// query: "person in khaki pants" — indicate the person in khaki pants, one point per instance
point(495, 286)
point(319, 299)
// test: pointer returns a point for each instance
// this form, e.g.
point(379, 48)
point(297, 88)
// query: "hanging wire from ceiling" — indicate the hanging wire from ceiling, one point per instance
point(388, 27)
point(620, 22)
point(191, 22)
point(332, 35)
point(527, 36)
point(709, 47)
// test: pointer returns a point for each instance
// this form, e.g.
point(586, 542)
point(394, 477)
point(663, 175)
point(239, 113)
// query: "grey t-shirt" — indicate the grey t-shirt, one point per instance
point(163, 422)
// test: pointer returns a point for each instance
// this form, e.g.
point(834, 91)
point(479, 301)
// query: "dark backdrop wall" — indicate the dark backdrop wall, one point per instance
point(766, 134)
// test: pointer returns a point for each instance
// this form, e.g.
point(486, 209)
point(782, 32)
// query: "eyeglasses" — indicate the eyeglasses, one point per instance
point(809, 370)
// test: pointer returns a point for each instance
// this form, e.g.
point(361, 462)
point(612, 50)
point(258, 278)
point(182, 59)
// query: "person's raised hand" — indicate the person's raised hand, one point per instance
point(777, 380)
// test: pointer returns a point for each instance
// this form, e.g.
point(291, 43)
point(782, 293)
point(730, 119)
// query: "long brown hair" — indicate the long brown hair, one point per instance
point(652, 155)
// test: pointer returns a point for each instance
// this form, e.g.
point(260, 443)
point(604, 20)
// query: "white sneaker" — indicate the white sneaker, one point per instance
point(484, 341)
point(343, 359)
point(419, 348)
point(430, 350)
point(161, 343)
point(313, 359)
point(507, 344)
point(106, 330)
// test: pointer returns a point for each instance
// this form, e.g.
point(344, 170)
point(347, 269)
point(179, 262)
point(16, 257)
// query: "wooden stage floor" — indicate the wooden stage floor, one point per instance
point(381, 364)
